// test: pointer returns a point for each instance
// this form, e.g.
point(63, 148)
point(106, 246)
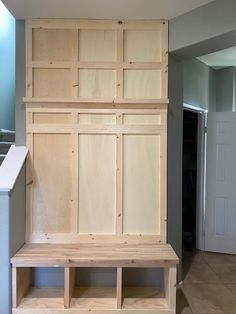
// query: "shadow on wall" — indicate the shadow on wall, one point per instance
point(7, 69)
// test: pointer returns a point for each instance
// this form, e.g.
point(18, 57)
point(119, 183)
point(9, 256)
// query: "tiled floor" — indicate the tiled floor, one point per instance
point(209, 284)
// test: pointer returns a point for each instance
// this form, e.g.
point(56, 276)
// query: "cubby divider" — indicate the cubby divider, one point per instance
point(69, 285)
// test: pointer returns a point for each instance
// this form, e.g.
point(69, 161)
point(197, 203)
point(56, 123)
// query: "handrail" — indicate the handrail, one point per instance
point(11, 167)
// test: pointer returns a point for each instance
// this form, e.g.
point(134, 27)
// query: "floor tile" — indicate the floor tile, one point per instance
point(217, 258)
point(199, 273)
point(209, 298)
point(194, 257)
point(232, 288)
point(225, 272)
point(182, 306)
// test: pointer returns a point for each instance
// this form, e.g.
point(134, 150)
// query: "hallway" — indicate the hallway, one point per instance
point(209, 284)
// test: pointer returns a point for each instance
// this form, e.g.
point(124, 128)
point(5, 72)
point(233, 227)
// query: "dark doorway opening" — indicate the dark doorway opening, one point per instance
point(190, 140)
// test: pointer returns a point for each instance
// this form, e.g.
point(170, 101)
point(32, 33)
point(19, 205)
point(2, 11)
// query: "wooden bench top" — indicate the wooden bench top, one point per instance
point(95, 255)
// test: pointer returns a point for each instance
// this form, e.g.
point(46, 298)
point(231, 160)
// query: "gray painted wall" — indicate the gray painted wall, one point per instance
point(7, 69)
point(174, 162)
point(225, 89)
point(12, 235)
point(204, 23)
point(199, 85)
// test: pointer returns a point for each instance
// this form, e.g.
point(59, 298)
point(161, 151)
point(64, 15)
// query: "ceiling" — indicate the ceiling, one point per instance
point(220, 59)
point(102, 9)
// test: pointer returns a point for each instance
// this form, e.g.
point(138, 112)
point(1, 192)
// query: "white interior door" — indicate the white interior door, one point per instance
point(220, 219)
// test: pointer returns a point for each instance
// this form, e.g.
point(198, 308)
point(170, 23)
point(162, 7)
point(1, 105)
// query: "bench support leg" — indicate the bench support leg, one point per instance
point(170, 286)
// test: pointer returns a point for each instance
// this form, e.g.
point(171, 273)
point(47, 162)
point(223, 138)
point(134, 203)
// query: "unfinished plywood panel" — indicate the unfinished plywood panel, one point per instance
point(97, 170)
point(52, 44)
point(52, 83)
point(97, 60)
point(97, 119)
point(52, 180)
point(52, 118)
point(97, 45)
point(142, 119)
point(142, 46)
point(141, 184)
point(142, 84)
point(97, 84)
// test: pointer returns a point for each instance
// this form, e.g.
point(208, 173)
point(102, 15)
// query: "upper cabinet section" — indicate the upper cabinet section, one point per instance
point(97, 61)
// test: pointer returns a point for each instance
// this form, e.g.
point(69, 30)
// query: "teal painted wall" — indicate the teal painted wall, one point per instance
point(199, 85)
point(225, 90)
point(7, 69)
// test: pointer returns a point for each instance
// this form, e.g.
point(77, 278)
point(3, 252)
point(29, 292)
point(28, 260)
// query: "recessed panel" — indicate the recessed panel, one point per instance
point(97, 45)
point(97, 84)
point(97, 175)
point(141, 184)
point(52, 182)
point(142, 84)
point(142, 46)
point(97, 119)
point(51, 83)
point(52, 44)
point(51, 118)
point(142, 119)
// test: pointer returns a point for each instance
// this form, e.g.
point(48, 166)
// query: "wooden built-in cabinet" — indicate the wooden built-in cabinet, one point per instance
point(96, 123)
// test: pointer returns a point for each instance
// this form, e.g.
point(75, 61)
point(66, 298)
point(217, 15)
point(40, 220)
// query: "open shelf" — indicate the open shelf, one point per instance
point(43, 298)
point(144, 298)
point(94, 298)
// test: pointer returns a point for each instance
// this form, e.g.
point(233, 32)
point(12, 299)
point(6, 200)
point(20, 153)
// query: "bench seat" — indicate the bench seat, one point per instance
point(95, 255)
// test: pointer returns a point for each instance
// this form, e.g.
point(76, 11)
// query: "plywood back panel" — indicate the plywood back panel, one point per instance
point(142, 84)
point(141, 184)
point(52, 83)
point(97, 45)
point(52, 44)
point(52, 179)
point(96, 174)
point(142, 46)
point(97, 60)
point(97, 177)
point(95, 84)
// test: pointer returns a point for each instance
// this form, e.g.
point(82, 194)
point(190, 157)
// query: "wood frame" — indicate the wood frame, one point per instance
point(119, 129)
point(119, 65)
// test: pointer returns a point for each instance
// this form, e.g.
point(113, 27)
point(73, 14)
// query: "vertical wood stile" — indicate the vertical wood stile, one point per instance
point(29, 178)
point(119, 177)
point(75, 176)
point(119, 288)
point(164, 76)
point(170, 286)
point(163, 186)
point(74, 70)
point(29, 57)
point(69, 285)
point(120, 60)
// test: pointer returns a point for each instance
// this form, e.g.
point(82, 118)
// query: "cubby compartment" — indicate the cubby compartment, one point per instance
point(142, 288)
point(83, 291)
point(38, 288)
